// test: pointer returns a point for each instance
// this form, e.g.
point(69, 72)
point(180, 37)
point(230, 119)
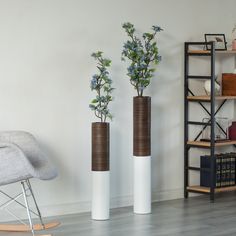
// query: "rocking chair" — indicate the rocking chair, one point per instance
point(20, 160)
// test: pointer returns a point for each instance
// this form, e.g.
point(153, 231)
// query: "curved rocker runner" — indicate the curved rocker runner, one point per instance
point(26, 228)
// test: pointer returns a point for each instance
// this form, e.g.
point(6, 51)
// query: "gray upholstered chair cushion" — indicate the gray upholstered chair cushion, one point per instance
point(21, 158)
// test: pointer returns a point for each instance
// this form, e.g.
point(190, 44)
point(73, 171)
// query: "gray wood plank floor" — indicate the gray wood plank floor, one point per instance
point(194, 216)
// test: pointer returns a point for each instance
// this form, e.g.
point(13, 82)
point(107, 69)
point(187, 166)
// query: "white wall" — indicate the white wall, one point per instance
point(45, 68)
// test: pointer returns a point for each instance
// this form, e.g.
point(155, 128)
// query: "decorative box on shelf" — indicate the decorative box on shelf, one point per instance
point(221, 129)
point(228, 84)
point(232, 131)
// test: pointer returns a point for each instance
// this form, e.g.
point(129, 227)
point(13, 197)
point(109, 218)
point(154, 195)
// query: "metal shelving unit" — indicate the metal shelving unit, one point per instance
point(190, 97)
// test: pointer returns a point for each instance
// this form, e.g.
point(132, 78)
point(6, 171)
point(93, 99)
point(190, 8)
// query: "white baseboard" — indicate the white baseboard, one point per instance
point(79, 207)
point(168, 195)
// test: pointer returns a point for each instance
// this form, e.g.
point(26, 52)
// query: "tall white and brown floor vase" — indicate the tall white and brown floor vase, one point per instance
point(142, 154)
point(100, 171)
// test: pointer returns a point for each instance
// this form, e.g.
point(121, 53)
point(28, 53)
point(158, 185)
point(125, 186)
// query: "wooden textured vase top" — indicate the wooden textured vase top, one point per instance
point(100, 146)
point(141, 126)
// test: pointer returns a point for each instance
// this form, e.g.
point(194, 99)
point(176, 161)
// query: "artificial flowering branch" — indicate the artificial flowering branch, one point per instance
point(143, 55)
point(102, 85)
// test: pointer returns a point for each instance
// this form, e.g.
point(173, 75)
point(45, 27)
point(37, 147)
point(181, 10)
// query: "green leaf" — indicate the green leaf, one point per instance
point(106, 62)
point(97, 54)
point(94, 101)
point(109, 116)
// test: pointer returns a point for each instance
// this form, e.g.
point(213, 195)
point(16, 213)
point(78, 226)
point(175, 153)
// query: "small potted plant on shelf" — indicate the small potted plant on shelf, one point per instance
point(143, 55)
point(101, 83)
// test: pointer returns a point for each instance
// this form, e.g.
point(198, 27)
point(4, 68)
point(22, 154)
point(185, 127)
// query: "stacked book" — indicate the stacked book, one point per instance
point(224, 171)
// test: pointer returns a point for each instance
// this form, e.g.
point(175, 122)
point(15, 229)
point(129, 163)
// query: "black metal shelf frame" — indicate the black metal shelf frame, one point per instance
point(212, 113)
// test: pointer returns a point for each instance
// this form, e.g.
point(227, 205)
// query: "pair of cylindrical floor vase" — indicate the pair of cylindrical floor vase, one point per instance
point(141, 162)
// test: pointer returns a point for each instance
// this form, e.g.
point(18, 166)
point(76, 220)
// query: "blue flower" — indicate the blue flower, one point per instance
point(143, 58)
point(93, 83)
point(143, 66)
point(104, 72)
point(95, 77)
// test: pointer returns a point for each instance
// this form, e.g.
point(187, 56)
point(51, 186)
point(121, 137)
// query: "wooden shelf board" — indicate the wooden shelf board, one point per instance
point(199, 189)
point(208, 52)
point(208, 98)
point(208, 144)
point(199, 51)
point(226, 52)
point(207, 190)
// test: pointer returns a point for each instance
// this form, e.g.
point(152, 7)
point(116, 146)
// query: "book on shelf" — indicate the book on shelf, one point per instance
point(205, 174)
point(228, 169)
point(232, 173)
point(223, 171)
point(218, 172)
point(225, 166)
